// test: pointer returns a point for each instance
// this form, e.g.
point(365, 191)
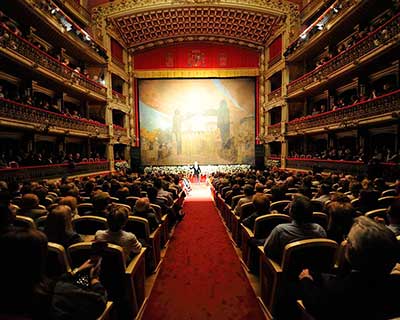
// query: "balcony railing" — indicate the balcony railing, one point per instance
point(119, 97)
point(46, 119)
point(120, 131)
point(24, 48)
point(371, 108)
point(52, 171)
point(389, 170)
point(274, 129)
point(308, 8)
point(384, 34)
point(277, 93)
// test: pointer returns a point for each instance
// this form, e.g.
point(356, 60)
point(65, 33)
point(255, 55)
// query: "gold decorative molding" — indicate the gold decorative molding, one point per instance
point(197, 73)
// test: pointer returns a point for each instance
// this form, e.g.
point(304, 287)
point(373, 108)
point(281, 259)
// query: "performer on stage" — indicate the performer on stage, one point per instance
point(196, 171)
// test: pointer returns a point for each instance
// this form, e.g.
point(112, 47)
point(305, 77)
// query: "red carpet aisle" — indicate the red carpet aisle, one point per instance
point(201, 276)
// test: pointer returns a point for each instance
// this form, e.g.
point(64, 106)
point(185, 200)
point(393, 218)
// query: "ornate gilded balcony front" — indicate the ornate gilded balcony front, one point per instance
point(390, 171)
point(346, 116)
point(274, 129)
point(21, 49)
point(119, 97)
point(373, 41)
point(120, 133)
point(45, 120)
point(276, 94)
point(80, 12)
point(50, 171)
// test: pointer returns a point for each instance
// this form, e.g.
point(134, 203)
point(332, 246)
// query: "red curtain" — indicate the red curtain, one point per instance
point(199, 55)
point(117, 51)
point(275, 48)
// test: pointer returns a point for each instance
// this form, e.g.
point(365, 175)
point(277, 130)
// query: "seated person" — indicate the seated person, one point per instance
point(71, 202)
point(117, 219)
point(30, 207)
point(59, 227)
point(299, 229)
point(341, 216)
point(142, 209)
point(248, 191)
point(368, 291)
point(26, 294)
point(101, 201)
point(261, 206)
point(323, 193)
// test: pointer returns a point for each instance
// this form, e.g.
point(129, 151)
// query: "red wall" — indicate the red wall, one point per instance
point(199, 55)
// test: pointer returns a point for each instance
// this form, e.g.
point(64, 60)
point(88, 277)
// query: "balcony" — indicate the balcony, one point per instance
point(353, 114)
point(119, 98)
point(120, 133)
point(350, 57)
point(48, 121)
point(310, 8)
point(276, 94)
point(52, 171)
point(29, 55)
point(80, 12)
point(390, 171)
point(274, 129)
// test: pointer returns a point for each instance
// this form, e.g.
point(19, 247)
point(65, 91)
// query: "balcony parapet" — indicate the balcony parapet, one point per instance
point(309, 8)
point(274, 129)
point(52, 171)
point(120, 132)
point(119, 97)
point(389, 170)
point(276, 94)
point(45, 120)
point(21, 47)
point(378, 106)
point(382, 35)
point(83, 13)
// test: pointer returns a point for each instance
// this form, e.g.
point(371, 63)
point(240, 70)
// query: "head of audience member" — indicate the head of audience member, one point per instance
point(122, 193)
point(324, 189)
point(248, 190)
point(117, 218)
point(101, 200)
point(158, 184)
point(341, 216)
point(355, 188)
point(152, 193)
point(59, 224)
point(142, 205)
point(22, 272)
point(71, 202)
point(29, 201)
point(394, 212)
point(371, 247)
point(278, 193)
point(368, 200)
point(261, 203)
point(301, 209)
point(259, 187)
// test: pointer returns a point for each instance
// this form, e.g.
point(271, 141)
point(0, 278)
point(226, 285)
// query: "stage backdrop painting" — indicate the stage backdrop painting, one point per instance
point(206, 120)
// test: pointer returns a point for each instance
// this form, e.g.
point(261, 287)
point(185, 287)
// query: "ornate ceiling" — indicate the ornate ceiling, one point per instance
point(142, 23)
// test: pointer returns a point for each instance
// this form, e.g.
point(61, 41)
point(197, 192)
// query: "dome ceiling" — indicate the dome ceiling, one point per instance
point(148, 23)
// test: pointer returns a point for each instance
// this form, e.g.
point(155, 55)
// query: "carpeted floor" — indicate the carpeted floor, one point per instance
point(201, 276)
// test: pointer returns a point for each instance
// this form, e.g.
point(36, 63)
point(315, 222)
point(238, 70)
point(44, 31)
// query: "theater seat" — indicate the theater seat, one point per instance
point(57, 262)
point(279, 206)
point(89, 225)
point(320, 218)
point(377, 213)
point(24, 222)
point(140, 228)
point(263, 226)
point(385, 202)
point(298, 255)
point(85, 208)
point(164, 223)
point(124, 284)
point(246, 210)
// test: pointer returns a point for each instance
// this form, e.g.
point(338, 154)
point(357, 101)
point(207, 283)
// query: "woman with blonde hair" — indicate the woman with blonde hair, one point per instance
point(59, 227)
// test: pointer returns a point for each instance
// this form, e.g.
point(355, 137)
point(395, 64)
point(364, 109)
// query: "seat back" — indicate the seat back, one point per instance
point(247, 210)
point(139, 227)
point(320, 218)
point(89, 225)
point(235, 200)
point(389, 192)
point(41, 222)
point(302, 254)
point(317, 206)
point(386, 202)
point(131, 201)
point(279, 205)
point(123, 205)
point(57, 262)
point(24, 222)
point(112, 274)
point(265, 224)
point(157, 210)
point(377, 213)
point(85, 208)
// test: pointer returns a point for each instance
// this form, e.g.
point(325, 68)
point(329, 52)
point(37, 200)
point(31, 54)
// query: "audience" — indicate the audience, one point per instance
point(261, 206)
point(369, 291)
point(142, 209)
